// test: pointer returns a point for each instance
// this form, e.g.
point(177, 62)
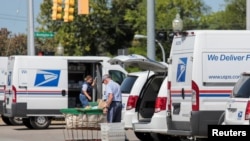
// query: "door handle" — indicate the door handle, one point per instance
point(182, 93)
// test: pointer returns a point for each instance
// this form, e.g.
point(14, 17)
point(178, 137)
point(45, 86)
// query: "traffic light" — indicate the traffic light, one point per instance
point(83, 7)
point(57, 10)
point(69, 10)
point(161, 35)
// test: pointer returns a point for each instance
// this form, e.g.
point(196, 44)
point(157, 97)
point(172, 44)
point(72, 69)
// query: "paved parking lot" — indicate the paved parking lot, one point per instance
point(56, 132)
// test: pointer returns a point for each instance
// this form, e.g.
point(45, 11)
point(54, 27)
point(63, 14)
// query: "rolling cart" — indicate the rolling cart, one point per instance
point(83, 124)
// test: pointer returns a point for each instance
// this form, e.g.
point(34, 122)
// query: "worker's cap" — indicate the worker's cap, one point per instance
point(105, 76)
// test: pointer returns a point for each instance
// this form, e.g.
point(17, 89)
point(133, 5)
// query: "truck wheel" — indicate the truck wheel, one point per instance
point(6, 120)
point(162, 137)
point(143, 136)
point(40, 122)
point(221, 119)
point(16, 121)
point(26, 122)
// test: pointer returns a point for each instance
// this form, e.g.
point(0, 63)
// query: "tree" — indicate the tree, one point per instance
point(233, 17)
point(12, 44)
point(102, 32)
point(165, 11)
point(111, 26)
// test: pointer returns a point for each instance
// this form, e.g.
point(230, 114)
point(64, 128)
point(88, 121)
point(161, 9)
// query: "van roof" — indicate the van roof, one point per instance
point(105, 58)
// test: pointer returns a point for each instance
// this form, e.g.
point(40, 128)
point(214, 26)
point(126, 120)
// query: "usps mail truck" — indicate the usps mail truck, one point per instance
point(203, 68)
point(39, 86)
point(3, 75)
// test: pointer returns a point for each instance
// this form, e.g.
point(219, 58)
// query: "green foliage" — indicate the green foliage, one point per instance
point(102, 32)
point(233, 17)
point(12, 44)
point(165, 11)
point(110, 27)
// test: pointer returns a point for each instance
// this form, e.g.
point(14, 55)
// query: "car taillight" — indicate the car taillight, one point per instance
point(160, 104)
point(247, 113)
point(131, 103)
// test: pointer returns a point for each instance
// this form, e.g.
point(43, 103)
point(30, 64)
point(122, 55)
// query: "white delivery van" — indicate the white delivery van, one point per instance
point(141, 105)
point(3, 76)
point(204, 65)
point(39, 86)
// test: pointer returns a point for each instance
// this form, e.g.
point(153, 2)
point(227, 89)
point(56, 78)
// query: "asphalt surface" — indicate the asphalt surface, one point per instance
point(56, 132)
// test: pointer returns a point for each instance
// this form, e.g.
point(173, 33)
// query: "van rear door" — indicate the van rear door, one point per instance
point(3, 75)
point(180, 78)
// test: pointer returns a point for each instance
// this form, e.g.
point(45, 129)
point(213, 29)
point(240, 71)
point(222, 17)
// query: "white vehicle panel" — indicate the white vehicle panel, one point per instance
point(235, 111)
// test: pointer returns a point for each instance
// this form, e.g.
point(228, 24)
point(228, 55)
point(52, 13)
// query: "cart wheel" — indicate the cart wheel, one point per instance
point(40, 122)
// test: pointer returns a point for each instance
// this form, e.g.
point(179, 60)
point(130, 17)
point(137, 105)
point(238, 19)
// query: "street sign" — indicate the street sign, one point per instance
point(44, 34)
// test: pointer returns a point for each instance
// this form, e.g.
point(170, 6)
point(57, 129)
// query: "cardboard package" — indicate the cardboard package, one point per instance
point(101, 103)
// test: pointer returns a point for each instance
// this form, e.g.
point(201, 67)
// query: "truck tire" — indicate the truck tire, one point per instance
point(26, 122)
point(16, 121)
point(162, 137)
point(143, 136)
point(6, 120)
point(40, 122)
point(221, 119)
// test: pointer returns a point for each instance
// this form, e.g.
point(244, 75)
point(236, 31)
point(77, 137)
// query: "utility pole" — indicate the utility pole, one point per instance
point(31, 46)
point(248, 15)
point(151, 29)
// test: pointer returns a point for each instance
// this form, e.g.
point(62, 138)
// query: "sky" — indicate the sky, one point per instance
point(13, 13)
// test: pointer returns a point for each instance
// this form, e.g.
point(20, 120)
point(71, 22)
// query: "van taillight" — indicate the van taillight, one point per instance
point(195, 97)
point(169, 102)
point(160, 104)
point(13, 94)
point(131, 102)
point(247, 113)
point(4, 90)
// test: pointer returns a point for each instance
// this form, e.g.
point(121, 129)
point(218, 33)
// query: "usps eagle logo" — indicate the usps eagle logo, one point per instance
point(181, 70)
point(47, 78)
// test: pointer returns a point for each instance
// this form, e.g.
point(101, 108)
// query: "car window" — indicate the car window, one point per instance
point(117, 76)
point(128, 83)
point(242, 87)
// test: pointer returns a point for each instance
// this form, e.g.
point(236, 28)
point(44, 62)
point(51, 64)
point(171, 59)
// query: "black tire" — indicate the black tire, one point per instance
point(143, 136)
point(221, 119)
point(163, 137)
point(202, 139)
point(26, 122)
point(40, 122)
point(16, 121)
point(6, 120)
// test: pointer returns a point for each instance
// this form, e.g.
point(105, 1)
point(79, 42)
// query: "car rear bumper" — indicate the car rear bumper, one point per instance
point(245, 122)
point(158, 124)
point(129, 118)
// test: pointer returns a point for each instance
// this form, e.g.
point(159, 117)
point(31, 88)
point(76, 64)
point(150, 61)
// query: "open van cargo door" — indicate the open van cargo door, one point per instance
point(139, 61)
